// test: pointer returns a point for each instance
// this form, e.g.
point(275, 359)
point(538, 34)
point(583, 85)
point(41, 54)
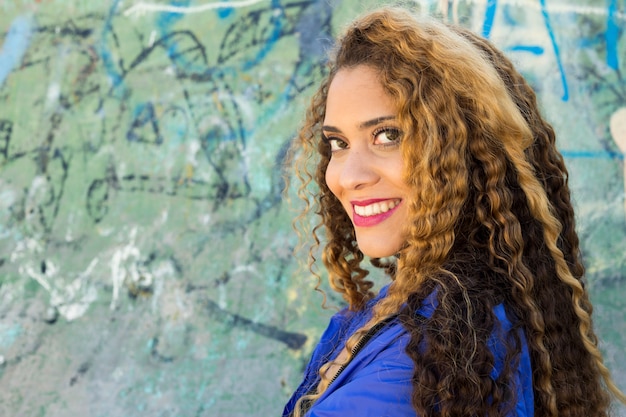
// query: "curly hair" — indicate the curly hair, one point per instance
point(491, 222)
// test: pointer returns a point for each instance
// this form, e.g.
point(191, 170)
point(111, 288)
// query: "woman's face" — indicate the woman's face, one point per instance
point(365, 169)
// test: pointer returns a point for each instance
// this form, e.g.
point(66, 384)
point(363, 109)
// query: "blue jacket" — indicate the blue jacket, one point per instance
point(377, 382)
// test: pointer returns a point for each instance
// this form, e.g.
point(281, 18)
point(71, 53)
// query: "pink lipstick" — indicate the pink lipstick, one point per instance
point(369, 213)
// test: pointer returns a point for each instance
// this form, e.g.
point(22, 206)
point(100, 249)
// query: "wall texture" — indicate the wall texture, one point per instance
point(146, 263)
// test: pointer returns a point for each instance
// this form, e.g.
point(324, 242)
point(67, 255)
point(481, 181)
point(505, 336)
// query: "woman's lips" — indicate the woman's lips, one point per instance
point(372, 212)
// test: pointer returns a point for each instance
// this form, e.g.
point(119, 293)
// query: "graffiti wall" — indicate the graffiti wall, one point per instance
point(146, 264)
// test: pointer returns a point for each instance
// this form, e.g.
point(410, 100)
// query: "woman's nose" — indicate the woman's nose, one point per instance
point(358, 171)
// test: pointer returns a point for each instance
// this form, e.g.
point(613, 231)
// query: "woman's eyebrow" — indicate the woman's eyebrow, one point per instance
point(365, 125)
point(332, 129)
point(374, 122)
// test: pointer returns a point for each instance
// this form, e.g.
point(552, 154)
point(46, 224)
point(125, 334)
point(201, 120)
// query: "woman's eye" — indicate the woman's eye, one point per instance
point(387, 136)
point(337, 144)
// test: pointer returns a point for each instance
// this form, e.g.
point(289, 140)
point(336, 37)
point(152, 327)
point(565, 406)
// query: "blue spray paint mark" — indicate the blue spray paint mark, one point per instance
point(490, 14)
point(9, 335)
point(584, 43)
point(164, 22)
point(533, 49)
point(225, 12)
point(15, 45)
point(546, 19)
point(273, 37)
point(612, 33)
point(110, 66)
point(167, 19)
point(592, 154)
point(509, 18)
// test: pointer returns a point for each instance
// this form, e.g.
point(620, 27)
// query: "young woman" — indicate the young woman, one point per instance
point(432, 159)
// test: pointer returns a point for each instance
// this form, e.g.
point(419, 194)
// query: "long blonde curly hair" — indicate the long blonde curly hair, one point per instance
point(490, 222)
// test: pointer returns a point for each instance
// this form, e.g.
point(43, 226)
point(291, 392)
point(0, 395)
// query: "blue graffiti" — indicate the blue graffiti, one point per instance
point(509, 17)
point(277, 27)
point(490, 14)
point(110, 66)
point(572, 154)
point(9, 334)
point(612, 33)
point(165, 21)
point(555, 46)
point(533, 49)
point(225, 12)
point(15, 45)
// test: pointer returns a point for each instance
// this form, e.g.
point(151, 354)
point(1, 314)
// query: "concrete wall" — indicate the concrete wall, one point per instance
point(145, 250)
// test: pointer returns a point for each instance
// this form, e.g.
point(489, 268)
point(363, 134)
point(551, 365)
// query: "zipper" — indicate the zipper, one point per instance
point(361, 344)
point(356, 349)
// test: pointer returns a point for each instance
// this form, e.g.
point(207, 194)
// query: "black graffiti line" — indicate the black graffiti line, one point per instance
point(6, 131)
point(163, 43)
point(292, 340)
point(63, 156)
point(97, 206)
point(85, 72)
point(191, 108)
point(248, 33)
point(69, 28)
point(145, 119)
point(178, 186)
point(230, 111)
point(605, 83)
point(44, 151)
point(238, 119)
point(307, 75)
point(65, 163)
point(261, 27)
point(181, 54)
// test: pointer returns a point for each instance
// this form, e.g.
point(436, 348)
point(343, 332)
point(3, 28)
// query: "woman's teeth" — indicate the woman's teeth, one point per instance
point(375, 208)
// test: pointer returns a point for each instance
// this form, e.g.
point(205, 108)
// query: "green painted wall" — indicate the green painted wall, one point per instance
point(146, 263)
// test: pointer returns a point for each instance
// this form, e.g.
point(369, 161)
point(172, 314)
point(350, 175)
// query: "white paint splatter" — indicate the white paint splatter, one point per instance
point(52, 95)
point(71, 301)
point(617, 126)
point(193, 148)
point(245, 268)
point(161, 273)
point(152, 38)
point(245, 106)
point(143, 8)
point(36, 193)
point(170, 70)
point(78, 309)
point(39, 277)
point(119, 260)
point(25, 247)
point(69, 236)
point(128, 270)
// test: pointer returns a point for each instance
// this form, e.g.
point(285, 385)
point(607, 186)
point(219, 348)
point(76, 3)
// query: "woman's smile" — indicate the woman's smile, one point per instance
point(371, 212)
